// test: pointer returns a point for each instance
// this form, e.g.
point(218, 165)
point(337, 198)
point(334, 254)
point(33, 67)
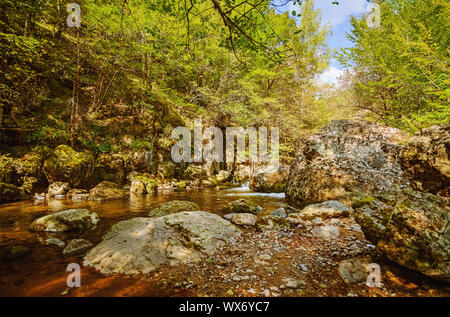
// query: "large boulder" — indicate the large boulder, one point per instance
point(77, 220)
point(141, 245)
point(25, 173)
point(328, 209)
point(110, 167)
point(107, 191)
point(171, 207)
point(241, 206)
point(411, 228)
point(343, 157)
point(67, 165)
point(195, 172)
point(142, 161)
point(270, 182)
point(224, 176)
point(166, 171)
point(425, 160)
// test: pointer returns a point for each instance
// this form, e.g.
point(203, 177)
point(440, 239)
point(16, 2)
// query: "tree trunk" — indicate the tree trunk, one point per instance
point(74, 104)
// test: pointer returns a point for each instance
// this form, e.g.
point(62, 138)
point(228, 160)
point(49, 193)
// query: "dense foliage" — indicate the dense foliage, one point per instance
point(402, 68)
point(140, 67)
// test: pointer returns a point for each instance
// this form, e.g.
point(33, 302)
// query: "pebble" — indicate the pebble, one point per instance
point(56, 242)
point(304, 268)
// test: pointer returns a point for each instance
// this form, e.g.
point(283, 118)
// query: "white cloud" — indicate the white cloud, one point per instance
point(337, 14)
point(331, 75)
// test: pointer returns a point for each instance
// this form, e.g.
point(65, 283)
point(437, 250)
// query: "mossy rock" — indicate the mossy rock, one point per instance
point(272, 222)
point(72, 220)
point(9, 193)
point(6, 168)
point(173, 206)
point(107, 191)
point(412, 228)
point(273, 182)
point(110, 167)
point(195, 172)
point(143, 184)
point(241, 206)
point(23, 172)
point(67, 165)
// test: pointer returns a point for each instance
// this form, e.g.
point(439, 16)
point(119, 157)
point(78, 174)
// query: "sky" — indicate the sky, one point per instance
point(338, 17)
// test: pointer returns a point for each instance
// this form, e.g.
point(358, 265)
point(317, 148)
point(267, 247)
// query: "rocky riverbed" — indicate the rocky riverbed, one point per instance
point(295, 261)
point(365, 219)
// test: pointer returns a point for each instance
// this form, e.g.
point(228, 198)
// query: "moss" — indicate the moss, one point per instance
point(173, 206)
point(241, 206)
point(9, 193)
point(68, 165)
point(362, 200)
point(6, 169)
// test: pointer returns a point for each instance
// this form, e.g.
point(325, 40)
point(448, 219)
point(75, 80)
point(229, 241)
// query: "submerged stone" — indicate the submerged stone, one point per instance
point(173, 206)
point(77, 220)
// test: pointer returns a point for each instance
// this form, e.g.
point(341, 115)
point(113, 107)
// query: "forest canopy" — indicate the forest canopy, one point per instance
point(401, 69)
point(242, 62)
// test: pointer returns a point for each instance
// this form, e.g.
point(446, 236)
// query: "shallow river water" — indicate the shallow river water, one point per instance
point(32, 274)
point(42, 272)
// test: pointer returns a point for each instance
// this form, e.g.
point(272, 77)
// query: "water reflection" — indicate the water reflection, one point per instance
point(15, 218)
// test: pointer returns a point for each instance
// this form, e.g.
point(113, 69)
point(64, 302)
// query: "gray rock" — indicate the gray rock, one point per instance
point(242, 219)
point(68, 220)
point(77, 247)
point(280, 212)
point(242, 206)
point(173, 206)
point(328, 209)
point(326, 232)
point(410, 228)
point(141, 245)
point(291, 283)
point(55, 242)
point(343, 157)
point(58, 188)
point(270, 182)
point(426, 160)
point(223, 176)
point(354, 270)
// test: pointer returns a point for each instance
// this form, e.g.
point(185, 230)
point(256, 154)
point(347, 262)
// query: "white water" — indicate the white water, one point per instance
point(244, 190)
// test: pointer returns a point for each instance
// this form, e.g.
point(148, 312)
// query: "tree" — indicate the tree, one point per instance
point(402, 69)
